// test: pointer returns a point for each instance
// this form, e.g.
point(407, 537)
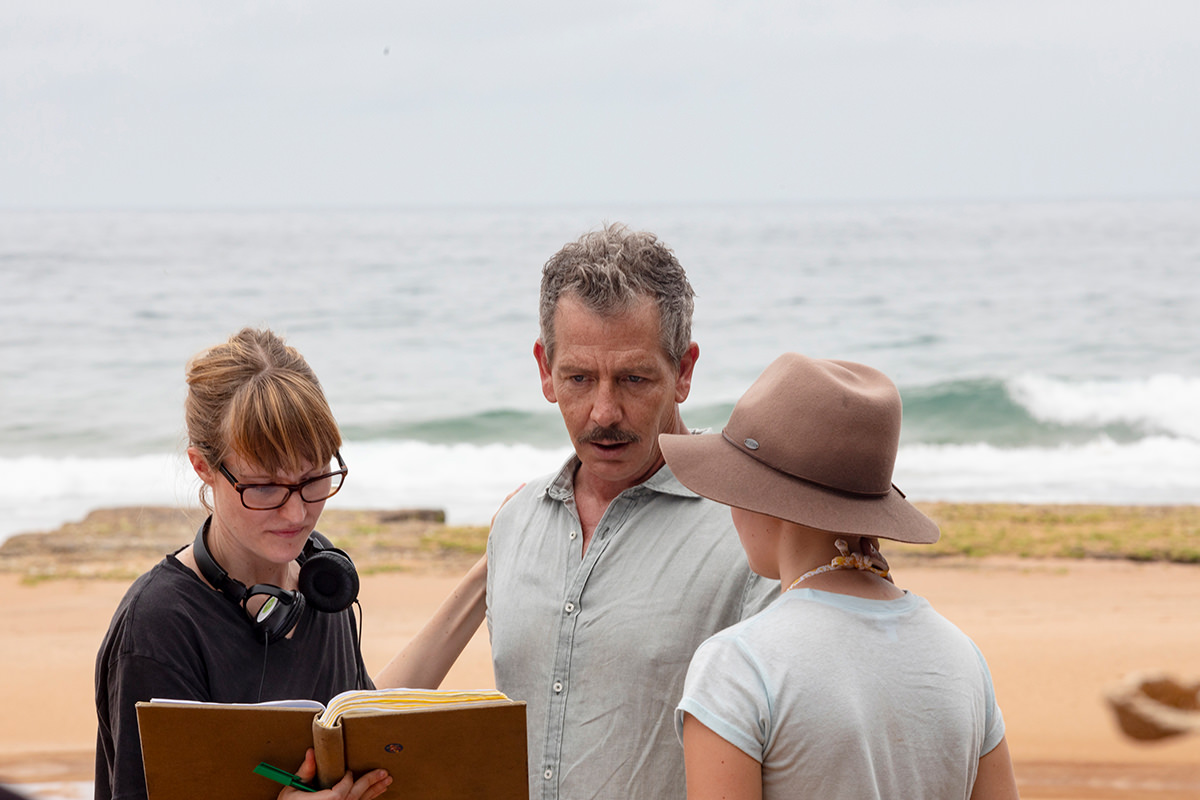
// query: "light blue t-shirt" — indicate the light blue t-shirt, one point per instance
point(844, 697)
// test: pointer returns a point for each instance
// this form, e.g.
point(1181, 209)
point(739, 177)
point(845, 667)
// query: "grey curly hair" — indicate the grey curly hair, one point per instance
point(609, 270)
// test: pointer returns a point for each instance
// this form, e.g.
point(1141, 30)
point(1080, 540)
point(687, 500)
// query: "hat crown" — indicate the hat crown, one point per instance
point(832, 423)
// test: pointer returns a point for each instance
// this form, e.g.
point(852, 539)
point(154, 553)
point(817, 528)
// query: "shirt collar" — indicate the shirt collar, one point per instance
point(663, 481)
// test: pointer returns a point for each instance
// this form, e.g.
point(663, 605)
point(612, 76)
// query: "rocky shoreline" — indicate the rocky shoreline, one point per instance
point(121, 543)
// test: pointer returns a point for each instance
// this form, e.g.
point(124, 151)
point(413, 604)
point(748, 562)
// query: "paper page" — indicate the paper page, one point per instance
point(398, 699)
point(313, 704)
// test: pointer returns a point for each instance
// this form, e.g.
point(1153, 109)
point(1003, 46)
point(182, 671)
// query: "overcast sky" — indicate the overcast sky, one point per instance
point(216, 103)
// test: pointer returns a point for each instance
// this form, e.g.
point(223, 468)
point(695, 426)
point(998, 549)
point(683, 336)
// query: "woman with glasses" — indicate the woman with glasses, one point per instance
point(257, 608)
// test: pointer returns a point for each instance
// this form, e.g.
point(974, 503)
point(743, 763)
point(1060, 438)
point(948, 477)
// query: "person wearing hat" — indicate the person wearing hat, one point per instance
point(846, 686)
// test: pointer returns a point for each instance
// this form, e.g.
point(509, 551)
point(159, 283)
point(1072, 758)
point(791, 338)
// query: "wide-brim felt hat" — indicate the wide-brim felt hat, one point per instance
point(811, 441)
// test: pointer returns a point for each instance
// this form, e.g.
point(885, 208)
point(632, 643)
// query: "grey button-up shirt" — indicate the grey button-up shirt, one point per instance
point(597, 644)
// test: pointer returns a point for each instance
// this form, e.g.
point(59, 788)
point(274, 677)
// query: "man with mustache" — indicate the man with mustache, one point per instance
point(604, 577)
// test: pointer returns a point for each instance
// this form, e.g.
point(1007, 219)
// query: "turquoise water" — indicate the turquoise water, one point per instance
point(1045, 352)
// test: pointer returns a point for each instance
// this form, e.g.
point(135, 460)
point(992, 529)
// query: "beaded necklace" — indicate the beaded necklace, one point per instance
point(846, 560)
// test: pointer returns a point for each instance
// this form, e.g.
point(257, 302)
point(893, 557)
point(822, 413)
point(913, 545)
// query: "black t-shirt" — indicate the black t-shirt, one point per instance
point(173, 637)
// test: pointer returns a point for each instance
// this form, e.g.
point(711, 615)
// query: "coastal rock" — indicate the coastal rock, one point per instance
point(121, 543)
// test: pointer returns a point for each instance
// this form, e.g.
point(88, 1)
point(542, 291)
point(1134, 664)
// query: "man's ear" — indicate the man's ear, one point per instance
point(539, 353)
point(200, 465)
point(683, 383)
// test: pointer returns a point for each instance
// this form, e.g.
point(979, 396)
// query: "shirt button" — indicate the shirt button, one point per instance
point(548, 774)
point(569, 607)
point(558, 686)
point(574, 534)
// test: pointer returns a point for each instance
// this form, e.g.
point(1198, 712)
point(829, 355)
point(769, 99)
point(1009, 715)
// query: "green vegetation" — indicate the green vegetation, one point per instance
point(469, 539)
point(1137, 533)
point(121, 543)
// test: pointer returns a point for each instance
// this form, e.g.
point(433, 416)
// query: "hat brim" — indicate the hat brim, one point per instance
point(712, 467)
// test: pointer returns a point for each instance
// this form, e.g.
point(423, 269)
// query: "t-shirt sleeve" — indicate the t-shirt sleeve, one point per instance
point(725, 692)
point(135, 678)
point(993, 726)
point(146, 656)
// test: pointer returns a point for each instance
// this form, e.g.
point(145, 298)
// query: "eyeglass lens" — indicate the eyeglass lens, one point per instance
point(267, 495)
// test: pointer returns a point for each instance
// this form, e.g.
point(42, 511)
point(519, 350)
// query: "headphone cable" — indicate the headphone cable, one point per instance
point(356, 634)
point(263, 680)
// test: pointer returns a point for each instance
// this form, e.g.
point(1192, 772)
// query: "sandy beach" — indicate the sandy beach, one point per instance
point(1056, 633)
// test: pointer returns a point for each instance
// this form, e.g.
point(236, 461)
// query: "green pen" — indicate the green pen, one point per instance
point(282, 776)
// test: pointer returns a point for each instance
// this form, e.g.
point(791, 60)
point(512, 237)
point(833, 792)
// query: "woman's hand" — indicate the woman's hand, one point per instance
point(369, 786)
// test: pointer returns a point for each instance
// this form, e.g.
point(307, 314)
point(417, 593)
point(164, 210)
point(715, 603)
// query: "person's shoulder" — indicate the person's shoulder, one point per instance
point(923, 610)
point(524, 501)
point(936, 621)
point(665, 489)
point(151, 581)
point(149, 610)
point(701, 517)
point(742, 642)
point(153, 599)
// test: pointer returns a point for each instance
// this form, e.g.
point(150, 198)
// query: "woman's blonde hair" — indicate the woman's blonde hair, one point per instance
point(257, 397)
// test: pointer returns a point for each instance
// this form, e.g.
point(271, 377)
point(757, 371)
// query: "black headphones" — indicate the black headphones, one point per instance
point(328, 583)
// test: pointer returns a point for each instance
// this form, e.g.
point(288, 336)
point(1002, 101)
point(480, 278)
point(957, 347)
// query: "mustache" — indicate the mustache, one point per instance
point(608, 436)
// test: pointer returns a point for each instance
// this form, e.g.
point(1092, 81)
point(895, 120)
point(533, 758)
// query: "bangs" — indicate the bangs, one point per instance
point(282, 423)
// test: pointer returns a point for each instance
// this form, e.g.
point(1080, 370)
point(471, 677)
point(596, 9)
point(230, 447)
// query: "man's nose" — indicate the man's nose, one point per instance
point(606, 406)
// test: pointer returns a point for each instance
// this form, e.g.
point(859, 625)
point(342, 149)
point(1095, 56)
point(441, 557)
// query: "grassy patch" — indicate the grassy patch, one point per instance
point(119, 544)
point(1138, 533)
point(467, 539)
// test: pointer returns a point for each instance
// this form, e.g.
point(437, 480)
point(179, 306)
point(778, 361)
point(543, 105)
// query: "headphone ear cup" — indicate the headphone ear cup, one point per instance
point(278, 615)
point(328, 580)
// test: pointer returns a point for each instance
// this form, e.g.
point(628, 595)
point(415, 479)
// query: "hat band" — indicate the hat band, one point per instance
point(837, 489)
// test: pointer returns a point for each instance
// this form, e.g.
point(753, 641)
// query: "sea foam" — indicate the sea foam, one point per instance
point(1151, 471)
point(1164, 403)
point(469, 481)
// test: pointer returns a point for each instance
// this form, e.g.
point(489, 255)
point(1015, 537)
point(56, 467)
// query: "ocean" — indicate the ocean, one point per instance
point(1045, 352)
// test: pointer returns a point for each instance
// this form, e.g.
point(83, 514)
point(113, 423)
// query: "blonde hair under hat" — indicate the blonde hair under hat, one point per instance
point(813, 442)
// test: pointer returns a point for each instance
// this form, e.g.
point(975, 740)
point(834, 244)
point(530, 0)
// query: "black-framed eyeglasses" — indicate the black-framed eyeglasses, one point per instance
point(266, 496)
